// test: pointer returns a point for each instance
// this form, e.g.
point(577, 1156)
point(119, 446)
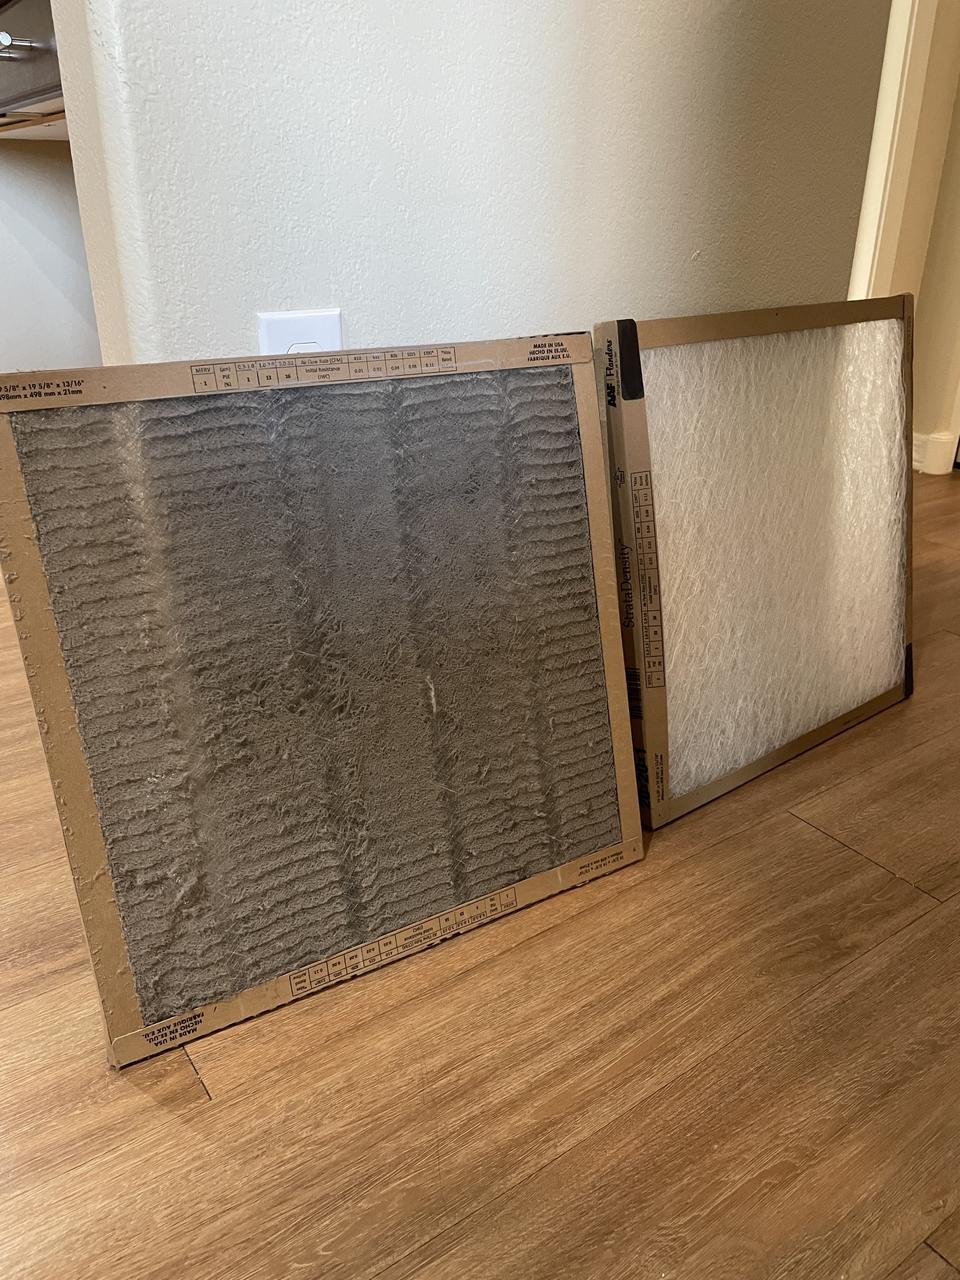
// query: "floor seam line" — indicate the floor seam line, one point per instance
point(203, 1083)
point(873, 862)
point(933, 1249)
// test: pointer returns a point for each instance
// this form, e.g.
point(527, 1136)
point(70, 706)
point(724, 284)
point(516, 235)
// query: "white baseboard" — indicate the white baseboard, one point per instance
point(934, 452)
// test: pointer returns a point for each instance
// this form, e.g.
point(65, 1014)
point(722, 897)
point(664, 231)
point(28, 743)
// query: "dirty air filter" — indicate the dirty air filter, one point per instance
point(762, 490)
point(326, 672)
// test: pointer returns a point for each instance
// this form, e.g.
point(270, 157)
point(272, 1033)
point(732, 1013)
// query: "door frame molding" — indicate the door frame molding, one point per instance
point(910, 131)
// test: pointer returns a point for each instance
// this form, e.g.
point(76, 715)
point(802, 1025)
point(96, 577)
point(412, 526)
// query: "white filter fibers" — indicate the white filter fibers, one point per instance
point(779, 472)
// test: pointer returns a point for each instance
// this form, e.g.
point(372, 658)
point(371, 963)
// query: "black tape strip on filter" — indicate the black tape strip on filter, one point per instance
point(631, 377)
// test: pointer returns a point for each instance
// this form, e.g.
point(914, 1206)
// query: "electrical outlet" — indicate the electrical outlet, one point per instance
point(284, 333)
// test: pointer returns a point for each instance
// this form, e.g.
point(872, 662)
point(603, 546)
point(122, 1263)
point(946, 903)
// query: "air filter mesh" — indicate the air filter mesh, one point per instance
point(334, 654)
point(780, 469)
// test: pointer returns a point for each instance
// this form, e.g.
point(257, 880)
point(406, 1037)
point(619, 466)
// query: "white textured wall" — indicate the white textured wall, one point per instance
point(461, 170)
point(46, 311)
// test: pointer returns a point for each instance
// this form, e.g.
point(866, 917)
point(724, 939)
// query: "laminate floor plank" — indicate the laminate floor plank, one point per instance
point(377, 1131)
point(31, 829)
point(61, 1104)
point(923, 1264)
point(904, 814)
point(936, 587)
point(39, 947)
point(946, 1240)
point(824, 1143)
point(935, 508)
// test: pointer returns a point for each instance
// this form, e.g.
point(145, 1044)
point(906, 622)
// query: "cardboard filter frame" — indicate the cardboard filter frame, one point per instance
point(619, 347)
point(27, 587)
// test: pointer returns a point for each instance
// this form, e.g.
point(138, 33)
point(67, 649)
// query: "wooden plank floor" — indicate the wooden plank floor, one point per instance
point(739, 1059)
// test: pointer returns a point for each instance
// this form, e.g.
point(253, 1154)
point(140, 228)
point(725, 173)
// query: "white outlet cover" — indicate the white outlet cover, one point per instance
point(283, 333)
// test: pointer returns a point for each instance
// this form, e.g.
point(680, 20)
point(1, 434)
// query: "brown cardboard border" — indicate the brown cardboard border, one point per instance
point(605, 585)
point(907, 370)
point(678, 331)
point(77, 809)
point(629, 448)
point(128, 1039)
point(111, 384)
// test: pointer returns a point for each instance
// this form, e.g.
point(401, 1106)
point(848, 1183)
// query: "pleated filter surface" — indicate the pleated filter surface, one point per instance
point(335, 659)
point(779, 471)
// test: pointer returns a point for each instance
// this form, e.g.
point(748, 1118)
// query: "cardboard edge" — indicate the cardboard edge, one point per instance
point(678, 331)
point(605, 588)
point(39, 643)
point(636, 560)
point(907, 373)
point(113, 384)
point(147, 1042)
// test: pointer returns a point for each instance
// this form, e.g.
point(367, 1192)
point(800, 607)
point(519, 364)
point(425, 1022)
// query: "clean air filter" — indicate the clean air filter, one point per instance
point(762, 512)
point(326, 672)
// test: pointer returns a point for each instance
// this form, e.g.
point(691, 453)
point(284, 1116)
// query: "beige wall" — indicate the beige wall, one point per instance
point(462, 170)
point(46, 308)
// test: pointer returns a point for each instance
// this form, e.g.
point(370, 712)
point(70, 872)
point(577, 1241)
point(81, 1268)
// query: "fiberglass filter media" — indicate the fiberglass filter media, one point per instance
point(779, 470)
point(334, 654)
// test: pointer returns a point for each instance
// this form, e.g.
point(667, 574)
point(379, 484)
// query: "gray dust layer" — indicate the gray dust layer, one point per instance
point(335, 659)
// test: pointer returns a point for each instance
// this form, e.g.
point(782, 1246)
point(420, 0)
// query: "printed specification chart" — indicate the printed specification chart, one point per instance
point(413, 938)
point(280, 371)
point(648, 570)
